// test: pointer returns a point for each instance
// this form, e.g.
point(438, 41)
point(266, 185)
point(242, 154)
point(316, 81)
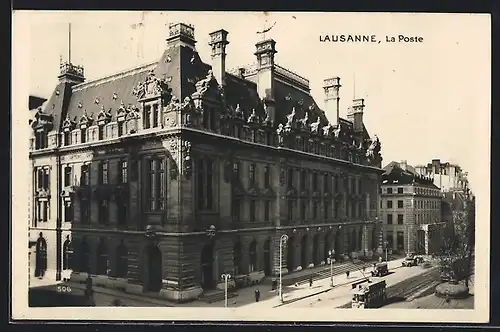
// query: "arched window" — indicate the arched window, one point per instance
point(102, 258)
point(237, 258)
point(41, 257)
point(122, 261)
point(253, 256)
point(84, 256)
point(67, 254)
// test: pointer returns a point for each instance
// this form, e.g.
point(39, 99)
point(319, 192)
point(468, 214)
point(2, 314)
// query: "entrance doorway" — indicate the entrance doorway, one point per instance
point(154, 266)
point(207, 267)
point(267, 257)
point(41, 257)
point(290, 257)
point(303, 247)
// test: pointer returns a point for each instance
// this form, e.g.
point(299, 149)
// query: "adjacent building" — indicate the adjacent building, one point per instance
point(446, 176)
point(161, 178)
point(410, 206)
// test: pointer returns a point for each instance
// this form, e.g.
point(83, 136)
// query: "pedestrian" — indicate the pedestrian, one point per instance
point(310, 282)
point(257, 295)
point(364, 267)
point(347, 274)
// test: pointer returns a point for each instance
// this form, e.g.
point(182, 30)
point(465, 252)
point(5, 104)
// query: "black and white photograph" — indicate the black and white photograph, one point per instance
point(252, 166)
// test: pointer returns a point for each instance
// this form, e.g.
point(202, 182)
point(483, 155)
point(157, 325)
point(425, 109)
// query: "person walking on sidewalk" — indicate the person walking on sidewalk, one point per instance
point(310, 282)
point(257, 295)
point(347, 274)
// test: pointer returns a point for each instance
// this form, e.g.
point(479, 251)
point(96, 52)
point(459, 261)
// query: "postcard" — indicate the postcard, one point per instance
point(251, 166)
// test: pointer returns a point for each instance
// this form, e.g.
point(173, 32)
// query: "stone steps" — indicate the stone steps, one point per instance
point(216, 296)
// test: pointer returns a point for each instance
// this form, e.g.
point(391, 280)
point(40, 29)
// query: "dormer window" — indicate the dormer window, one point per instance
point(41, 139)
point(102, 119)
point(120, 118)
point(67, 138)
point(83, 135)
point(85, 122)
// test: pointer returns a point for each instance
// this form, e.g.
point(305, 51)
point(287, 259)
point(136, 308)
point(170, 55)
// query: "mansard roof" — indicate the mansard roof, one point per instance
point(394, 174)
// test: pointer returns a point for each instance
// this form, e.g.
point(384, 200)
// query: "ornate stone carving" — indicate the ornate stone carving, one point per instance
point(104, 116)
point(42, 121)
point(68, 124)
point(86, 120)
point(151, 87)
point(290, 119)
point(328, 130)
point(186, 159)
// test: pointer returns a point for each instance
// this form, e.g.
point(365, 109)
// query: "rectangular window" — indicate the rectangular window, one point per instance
point(315, 210)
point(83, 135)
point(400, 241)
point(103, 172)
point(389, 204)
point(67, 176)
point(236, 170)
point(400, 204)
point(326, 182)
point(335, 184)
point(400, 219)
point(121, 208)
point(204, 184)
point(67, 138)
point(303, 210)
point(389, 190)
point(155, 116)
point(315, 181)
point(84, 211)
point(251, 174)
point(236, 209)
point(400, 190)
point(390, 239)
point(68, 212)
point(326, 207)
point(156, 184)
point(303, 175)
point(252, 210)
point(120, 128)
point(389, 219)
point(103, 212)
point(123, 171)
point(101, 133)
point(290, 210)
point(267, 177)
point(146, 119)
point(381, 204)
point(85, 176)
point(267, 210)
point(290, 178)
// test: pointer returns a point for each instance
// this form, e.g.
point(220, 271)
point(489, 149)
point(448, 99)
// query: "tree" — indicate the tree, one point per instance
point(457, 249)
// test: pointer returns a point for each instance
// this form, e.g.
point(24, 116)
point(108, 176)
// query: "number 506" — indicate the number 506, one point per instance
point(63, 289)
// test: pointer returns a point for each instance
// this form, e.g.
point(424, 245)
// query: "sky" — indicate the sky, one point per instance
point(425, 101)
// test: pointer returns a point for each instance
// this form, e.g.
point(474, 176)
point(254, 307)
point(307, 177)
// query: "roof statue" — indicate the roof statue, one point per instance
point(373, 151)
point(253, 118)
point(203, 84)
point(290, 118)
point(315, 126)
point(304, 122)
point(338, 131)
point(280, 132)
point(328, 130)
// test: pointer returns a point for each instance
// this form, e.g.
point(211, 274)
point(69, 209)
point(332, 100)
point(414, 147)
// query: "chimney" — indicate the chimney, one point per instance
point(332, 99)
point(181, 34)
point(265, 52)
point(403, 165)
point(355, 114)
point(218, 42)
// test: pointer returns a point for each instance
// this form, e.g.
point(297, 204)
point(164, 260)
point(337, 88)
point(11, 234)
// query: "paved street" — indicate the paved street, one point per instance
point(341, 296)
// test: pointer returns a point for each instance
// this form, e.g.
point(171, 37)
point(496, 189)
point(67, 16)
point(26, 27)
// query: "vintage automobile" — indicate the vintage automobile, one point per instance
point(380, 270)
point(409, 261)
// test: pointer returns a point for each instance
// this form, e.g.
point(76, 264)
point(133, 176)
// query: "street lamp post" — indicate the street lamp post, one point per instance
point(331, 255)
point(283, 240)
point(226, 277)
point(386, 244)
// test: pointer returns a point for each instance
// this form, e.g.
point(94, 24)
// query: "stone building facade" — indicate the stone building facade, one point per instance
point(161, 178)
point(410, 206)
